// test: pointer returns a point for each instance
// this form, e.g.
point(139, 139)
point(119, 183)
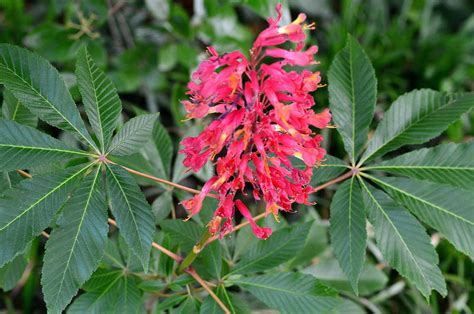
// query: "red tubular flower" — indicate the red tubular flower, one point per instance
point(265, 119)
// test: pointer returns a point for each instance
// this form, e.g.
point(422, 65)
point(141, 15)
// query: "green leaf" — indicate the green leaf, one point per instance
point(13, 110)
point(133, 135)
point(99, 96)
point(11, 273)
point(352, 95)
point(329, 169)
point(23, 218)
point(109, 292)
point(164, 146)
point(447, 209)
point(209, 261)
point(22, 146)
point(76, 246)
point(38, 86)
point(290, 292)
point(415, 118)
point(283, 245)
point(347, 229)
point(403, 242)
point(231, 301)
point(162, 206)
point(185, 233)
point(446, 163)
point(132, 212)
point(330, 273)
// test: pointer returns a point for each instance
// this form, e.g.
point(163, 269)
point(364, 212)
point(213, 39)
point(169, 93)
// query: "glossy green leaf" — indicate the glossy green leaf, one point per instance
point(77, 245)
point(132, 212)
point(38, 86)
point(22, 146)
point(109, 291)
point(352, 95)
point(446, 163)
point(290, 292)
point(23, 218)
point(415, 118)
point(283, 245)
point(347, 229)
point(448, 209)
point(403, 242)
point(133, 135)
point(99, 96)
point(12, 109)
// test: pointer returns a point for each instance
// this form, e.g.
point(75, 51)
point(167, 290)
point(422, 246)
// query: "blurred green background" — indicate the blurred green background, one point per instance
point(149, 48)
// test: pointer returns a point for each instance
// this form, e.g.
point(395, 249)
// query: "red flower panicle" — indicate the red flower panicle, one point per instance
point(265, 117)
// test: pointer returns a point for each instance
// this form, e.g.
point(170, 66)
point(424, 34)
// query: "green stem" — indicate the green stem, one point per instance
point(189, 259)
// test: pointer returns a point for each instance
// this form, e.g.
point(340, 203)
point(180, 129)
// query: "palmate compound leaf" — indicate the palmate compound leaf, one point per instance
point(132, 212)
point(38, 86)
point(76, 246)
point(446, 163)
point(347, 229)
point(403, 241)
point(448, 209)
point(415, 118)
point(109, 291)
point(290, 292)
point(133, 135)
point(22, 146)
point(352, 95)
point(12, 109)
point(99, 96)
point(26, 210)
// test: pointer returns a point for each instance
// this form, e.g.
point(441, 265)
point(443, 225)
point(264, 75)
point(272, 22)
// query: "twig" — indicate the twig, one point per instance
point(195, 275)
point(159, 180)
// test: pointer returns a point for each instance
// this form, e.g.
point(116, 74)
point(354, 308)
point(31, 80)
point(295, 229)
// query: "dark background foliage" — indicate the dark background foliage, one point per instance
point(149, 49)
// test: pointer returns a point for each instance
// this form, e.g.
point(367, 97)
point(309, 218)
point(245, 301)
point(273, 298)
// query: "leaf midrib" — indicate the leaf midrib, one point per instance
point(415, 122)
point(422, 201)
point(47, 149)
point(396, 231)
point(128, 206)
point(96, 101)
point(50, 104)
point(45, 196)
point(79, 227)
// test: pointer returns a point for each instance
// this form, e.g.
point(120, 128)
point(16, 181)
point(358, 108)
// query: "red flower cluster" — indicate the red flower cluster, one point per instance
point(264, 118)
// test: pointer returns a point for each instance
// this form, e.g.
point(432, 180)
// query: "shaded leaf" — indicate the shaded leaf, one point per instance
point(12, 109)
point(290, 292)
point(283, 245)
point(330, 273)
point(11, 273)
point(109, 292)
